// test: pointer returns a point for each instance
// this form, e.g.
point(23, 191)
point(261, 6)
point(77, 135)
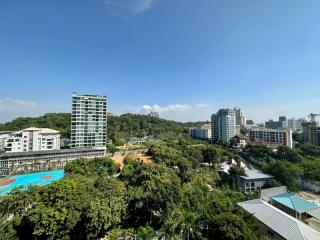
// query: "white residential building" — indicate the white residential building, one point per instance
point(240, 117)
point(3, 136)
point(272, 136)
point(88, 121)
point(33, 139)
point(223, 125)
point(295, 124)
point(201, 133)
point(253, 181)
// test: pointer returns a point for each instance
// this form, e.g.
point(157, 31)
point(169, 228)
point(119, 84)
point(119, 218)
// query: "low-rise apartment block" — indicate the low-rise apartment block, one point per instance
point(253, 181)
point(36, 161)
point(271, 136)
point(4, 135)
point(201, 133)
point(32, 139)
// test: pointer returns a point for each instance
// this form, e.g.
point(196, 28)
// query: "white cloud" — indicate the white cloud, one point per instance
point(125, 8)
point(180, 112)
point(13, 108)
point(260, 114)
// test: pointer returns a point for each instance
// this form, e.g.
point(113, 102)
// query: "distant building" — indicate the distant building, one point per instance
point(201, 133)
point(110, 114)
point(88, 121)
point(223, 125)
point(295, 124)
point(250, 122)
point(281, 123)
point(32, 139)
point(240, 118)
point(238, 130)
point(271, 136)
point(154, 114)
point(311, 133)
point(282, 119)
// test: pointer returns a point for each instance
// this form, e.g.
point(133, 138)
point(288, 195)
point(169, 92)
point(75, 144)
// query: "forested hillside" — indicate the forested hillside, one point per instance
point(120, 129)
point(57, 121)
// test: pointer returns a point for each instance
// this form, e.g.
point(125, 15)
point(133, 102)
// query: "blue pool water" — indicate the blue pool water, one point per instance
point(26, 180)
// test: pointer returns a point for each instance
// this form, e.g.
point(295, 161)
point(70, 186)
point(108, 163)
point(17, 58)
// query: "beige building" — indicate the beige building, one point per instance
point(272, 136)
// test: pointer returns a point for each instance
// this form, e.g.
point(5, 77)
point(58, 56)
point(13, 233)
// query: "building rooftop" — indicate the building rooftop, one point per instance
point(251, 173)
point(280, 222)
point(225, 166)
point(41, 130)
point(268, 129)
point(88, 95)
point(315, 213)
point(294, 202)
point(48, 152)
point(256, 174)
point(5, 132)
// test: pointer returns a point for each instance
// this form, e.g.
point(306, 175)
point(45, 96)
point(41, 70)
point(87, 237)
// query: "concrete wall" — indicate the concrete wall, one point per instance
point(311, 186)
point(266, 194)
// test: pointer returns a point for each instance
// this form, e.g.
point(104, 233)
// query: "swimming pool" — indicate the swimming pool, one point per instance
point(25, 180)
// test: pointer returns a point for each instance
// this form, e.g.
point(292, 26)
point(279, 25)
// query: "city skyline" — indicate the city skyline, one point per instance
point(147, 56)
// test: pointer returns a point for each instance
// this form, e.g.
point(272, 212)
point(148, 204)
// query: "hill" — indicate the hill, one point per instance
point(120, 129)
point(57, 121)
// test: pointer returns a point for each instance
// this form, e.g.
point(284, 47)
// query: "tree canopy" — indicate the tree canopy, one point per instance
point(171, 198)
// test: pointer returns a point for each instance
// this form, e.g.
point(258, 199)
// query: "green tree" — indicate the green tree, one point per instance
point(286, 153)
point(152, 189)
point(286, 172)
point(212, 155)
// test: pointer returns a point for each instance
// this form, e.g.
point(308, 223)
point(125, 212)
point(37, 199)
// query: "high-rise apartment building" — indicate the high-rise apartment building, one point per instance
point(223, 125)
point(88, 121)
point(240, 118)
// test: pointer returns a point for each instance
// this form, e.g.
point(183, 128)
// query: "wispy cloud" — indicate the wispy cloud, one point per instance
point(12, 108)
point(128, 8)
point(180, 112)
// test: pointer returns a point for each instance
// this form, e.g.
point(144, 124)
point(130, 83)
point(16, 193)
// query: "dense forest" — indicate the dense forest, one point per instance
point(171, 198)
point(120, 129)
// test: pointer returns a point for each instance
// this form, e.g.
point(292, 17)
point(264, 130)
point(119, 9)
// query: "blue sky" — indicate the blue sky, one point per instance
point(183, 58)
